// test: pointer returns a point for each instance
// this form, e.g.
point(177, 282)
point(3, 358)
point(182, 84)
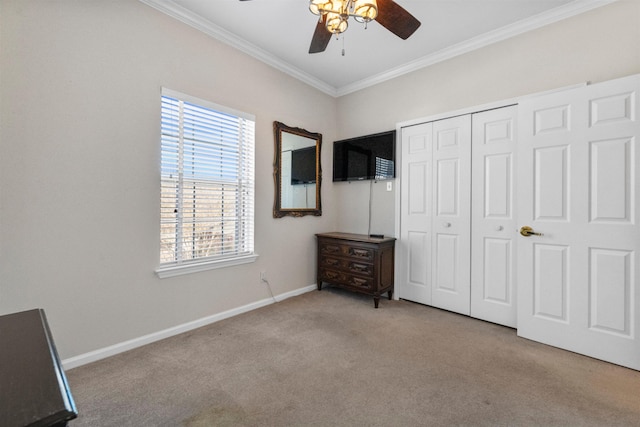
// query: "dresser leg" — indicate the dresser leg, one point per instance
point(376, 300)
point(319, 284)
point(390, 293)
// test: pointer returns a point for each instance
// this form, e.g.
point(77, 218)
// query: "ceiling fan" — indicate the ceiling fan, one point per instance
point(334, 15)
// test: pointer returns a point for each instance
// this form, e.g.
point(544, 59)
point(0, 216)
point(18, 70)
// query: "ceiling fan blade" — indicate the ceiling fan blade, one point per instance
point(394, 18)
point(321, 37)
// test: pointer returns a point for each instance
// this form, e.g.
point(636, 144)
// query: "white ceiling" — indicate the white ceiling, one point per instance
point(279, 32)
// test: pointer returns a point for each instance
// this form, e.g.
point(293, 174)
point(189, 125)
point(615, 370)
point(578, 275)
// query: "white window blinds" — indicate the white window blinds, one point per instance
point(207, 188)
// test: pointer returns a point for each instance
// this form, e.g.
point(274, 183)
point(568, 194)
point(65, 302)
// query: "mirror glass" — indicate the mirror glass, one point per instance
point(297, 172)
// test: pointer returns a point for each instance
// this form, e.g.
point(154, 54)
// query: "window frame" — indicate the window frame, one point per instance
point(179, 267)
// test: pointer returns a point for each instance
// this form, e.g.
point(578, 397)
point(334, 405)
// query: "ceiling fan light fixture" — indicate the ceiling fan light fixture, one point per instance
point(334, 16)
point(337, 12)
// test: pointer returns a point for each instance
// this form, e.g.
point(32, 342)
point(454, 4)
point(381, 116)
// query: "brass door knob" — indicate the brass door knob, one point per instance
point(527, 231)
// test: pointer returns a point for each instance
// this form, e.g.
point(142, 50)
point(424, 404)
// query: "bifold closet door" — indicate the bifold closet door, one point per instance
point(493, 222)
point(579, 187)
point(451, 262)
point(414, 272)
point(435, 213)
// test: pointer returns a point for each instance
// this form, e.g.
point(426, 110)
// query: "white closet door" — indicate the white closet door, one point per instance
point(416, 213)
point(578, 181)
point(493, 221)
point(451, 263)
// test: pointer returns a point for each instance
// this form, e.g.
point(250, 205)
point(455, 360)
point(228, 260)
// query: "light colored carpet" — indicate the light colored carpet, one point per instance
point(330, 359)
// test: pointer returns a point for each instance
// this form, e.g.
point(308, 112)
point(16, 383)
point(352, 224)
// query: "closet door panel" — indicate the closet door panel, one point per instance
point(451, 220)
point(446, 252)
point(414, 272)
point(498, 179)
point(493, 289)
point(497, 281)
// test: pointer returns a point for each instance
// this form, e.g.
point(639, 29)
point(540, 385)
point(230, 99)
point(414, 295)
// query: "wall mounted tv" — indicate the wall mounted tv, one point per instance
point(365, 157)
point(303, 166)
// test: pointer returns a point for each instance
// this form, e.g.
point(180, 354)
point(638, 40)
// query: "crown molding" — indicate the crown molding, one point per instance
point(576, 7)
point(176, 11)
point(549, 17)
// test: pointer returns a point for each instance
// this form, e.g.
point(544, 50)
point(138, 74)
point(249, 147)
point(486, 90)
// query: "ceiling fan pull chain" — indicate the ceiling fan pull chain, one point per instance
point(343, 44)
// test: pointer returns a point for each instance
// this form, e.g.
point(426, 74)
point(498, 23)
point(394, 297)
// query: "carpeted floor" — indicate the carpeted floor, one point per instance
point(330, 359)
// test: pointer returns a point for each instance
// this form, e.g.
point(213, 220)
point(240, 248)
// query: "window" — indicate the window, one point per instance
point(207, 185)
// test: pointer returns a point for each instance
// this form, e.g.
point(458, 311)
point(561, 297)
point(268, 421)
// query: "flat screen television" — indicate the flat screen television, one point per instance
point(365, 157)
point(303, 166)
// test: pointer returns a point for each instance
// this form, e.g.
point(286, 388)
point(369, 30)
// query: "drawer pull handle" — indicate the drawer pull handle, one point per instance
point(361, 253)
point(331, 249)
point(331, 261)
point(331, 275)
point(360, 268)
point(358, 282)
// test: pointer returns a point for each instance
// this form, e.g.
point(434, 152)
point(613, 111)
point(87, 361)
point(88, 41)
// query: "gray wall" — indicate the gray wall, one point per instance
point(599, 45)
point(79, 176)
point(79, 168)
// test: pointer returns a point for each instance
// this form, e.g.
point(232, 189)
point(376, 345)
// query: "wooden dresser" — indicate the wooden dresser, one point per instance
point(356, 262)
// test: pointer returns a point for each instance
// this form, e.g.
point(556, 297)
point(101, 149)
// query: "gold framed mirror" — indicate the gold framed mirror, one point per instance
point(296, 171)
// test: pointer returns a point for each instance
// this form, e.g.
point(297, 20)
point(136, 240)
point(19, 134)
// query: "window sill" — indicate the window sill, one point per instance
point(178, 270)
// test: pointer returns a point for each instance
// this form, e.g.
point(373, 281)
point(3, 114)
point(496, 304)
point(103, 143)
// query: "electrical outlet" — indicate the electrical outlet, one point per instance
point(263, 276)
point(389, 185)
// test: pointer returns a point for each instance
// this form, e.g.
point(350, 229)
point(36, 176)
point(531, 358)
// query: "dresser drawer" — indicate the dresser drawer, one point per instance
point(350, 251)
point(330, 248)
point(355, 252)
point(332, 262)
point(345, 279)
point(360, 268)
point(347, 266)
point(332, 276)
point(360, 282)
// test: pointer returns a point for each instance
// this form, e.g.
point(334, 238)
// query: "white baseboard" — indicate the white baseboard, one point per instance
point(112, 350)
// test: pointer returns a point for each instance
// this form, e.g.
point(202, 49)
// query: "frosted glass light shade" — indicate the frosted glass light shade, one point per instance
point(336, 23)
point(316, 5)
point(365, 10)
